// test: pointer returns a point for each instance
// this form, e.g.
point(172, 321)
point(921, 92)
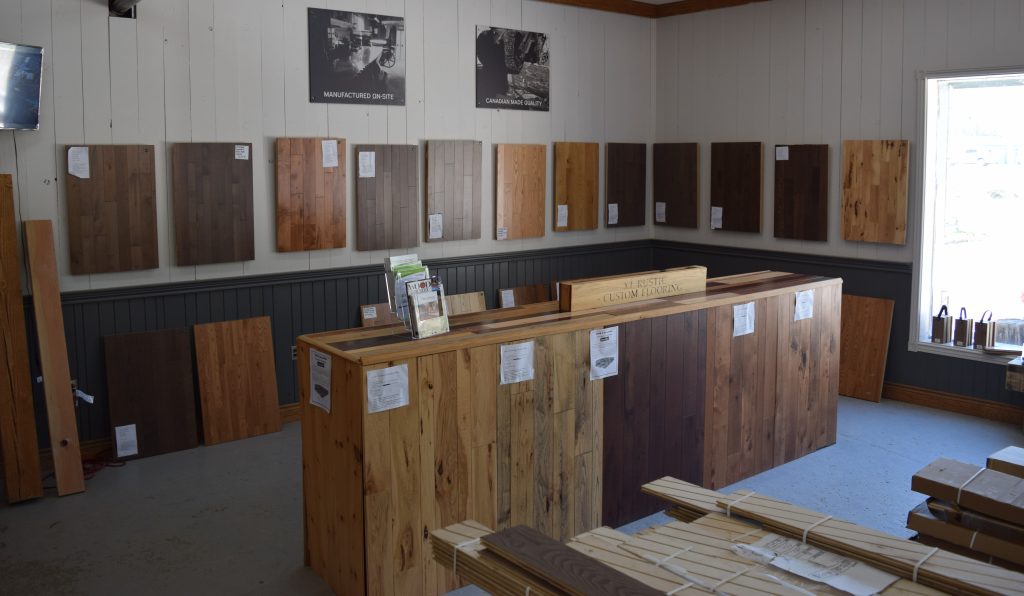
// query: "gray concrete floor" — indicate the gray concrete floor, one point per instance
point(227, 519)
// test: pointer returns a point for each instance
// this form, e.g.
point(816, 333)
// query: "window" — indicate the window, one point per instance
point(972, 213)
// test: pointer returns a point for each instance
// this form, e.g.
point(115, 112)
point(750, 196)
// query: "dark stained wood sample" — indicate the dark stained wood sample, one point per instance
point(876, 177)
point(150, 385)
point(454, 182)
point(112, 213)
point(310, 197)
point(576, 171)
point(522, 295)
point(801, 192)
point(736, 185)
point(626, 183)
point(521, 179)
point(212, 201)
point(387, 212)
point(677, 183)
point(866, 324)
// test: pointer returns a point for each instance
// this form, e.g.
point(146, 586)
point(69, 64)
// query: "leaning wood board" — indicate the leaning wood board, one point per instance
point(521, 179)
point(454, 185)
point(53, 357)
point(865, 346)
point(736, 185)
point(677, 184)
point(523, 295)
point(212, 202)
point(387, 211)
point(112, 213)
point(801, 192)
point(875, 187)
point(373, 315)
point(18, 441)
point(237, 379)
point(310, 196)
point(460, 304)
point(626, 183)
point(576, 171)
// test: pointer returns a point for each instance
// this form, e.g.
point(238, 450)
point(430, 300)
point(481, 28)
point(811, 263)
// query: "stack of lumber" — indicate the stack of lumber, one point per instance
point(973, 508)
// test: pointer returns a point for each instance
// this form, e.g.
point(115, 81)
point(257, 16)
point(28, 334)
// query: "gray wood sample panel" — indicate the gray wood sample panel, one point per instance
point(454, 188)
point(387, 215)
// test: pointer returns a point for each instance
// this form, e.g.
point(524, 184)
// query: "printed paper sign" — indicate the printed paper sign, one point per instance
point(367, 164)
point(613, 213)
point(436, 224)
point(659, 212)
point(387, 388)
point(563, 216)
point(804, 305)
point(508, 298)
point(782, 153)
point(78, 162)
point(329, 149)
point(369, 312)
point(716, 218)
point(604, 353)
point(743, 319)
point(241, 152)
point(502, 233)
point(320, 380)
point(516, 362)
point(125, 440)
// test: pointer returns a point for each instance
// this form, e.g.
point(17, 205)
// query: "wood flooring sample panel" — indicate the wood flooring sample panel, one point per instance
point(522, 175)
point(387, 213)
point(576, 170)
point(212, 198)
point(310, 194)
point(237, 379)
point(801, 192)
point(677, 184)
point(736, 183)
point(875, 185)
point(626, 184)
point(150, 392)
point(112, 212)
point(864, 342)
point(454, 185)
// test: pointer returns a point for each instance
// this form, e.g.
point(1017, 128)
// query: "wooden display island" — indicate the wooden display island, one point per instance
point(560, 452)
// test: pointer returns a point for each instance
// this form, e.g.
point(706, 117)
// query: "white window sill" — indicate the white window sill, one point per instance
point(959, 352)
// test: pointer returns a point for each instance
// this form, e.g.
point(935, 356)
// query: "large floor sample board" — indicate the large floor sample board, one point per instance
point(522, 175)
point(875, 186)
point(387, 210)
point(212, 202)
point(677, 184)
point(576, 181)
point(454, 186)
point(112, 211)
point(310, 194)
point(736, 186)
point(801, 192)
point(626, 186)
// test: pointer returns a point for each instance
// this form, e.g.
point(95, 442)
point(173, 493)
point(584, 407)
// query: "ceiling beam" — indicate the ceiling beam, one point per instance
point(642, 9)
point(691, 6)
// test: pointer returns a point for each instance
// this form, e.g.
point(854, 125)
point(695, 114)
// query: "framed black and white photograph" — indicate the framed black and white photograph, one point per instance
point(512, 69)
point(356, 57)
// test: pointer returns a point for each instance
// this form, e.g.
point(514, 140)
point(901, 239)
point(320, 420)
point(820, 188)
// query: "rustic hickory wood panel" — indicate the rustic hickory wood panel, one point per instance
point(387, 212)
point(18, 441)
point(149, 385)
point(576, 171)
point(237, 379)
point(53, 356)
point(521, 179)
point(626, 183)
point(736, 185)
point(454, 184)
point(212, 202)
point(801, 192)
point(677, 183)
point(875, 186)
point(866, 323)
point(310, 196)
point(112, 213)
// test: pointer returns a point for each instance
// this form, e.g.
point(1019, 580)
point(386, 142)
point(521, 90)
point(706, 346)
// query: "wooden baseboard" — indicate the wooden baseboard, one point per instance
point(952, 402)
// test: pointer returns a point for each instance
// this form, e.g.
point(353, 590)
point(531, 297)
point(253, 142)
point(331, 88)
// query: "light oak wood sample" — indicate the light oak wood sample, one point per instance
point(875, 187)
point(460, 304)
point(112, 213)
point(453, 186)
point(387, 209)
point(737, 174)
point(801, 192)
point(521, 180)
point(677, 184)
point(583, 294)
point(865, 346)
point(626, 183)
point(311, 200)
point(576, 171)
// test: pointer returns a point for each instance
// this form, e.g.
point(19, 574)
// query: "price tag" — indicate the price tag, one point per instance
point(782, 153)
point(613, 214)
point(367, 164)
point(241, 152)
point(659, 212)
point(329, 149)
point(502, 233)
point(563, 216)
point(716, 218)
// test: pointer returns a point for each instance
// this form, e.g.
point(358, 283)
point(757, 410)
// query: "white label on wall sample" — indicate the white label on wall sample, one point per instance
point(435, 226)
point(367, 164)
point(320, 380)
point(329, 149)
point(502, 233)
point(516, 362)
point(716, 218)
point(78, 162)
point(241, 152)
point(563, 216)
point(743, 319)
point(613, 214)
point(387, 388)
point(659, 212)
point(782, 153)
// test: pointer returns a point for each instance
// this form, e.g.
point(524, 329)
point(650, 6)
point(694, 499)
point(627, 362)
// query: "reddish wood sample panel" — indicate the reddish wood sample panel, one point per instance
point(677, 183)
point(387, 212)
point(576, 171)
point(521, 178)
point(736, 185)
point(801, 192)
point(454, 185)
point(310, 197)
point(866, 325)
point(626, 183)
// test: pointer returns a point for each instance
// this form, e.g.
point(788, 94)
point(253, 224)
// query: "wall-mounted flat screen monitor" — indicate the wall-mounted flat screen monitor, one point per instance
point(21, 69)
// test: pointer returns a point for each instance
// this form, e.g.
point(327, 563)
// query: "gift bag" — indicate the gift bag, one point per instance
point(963, 330)
point(985, 331)
point(942, 327)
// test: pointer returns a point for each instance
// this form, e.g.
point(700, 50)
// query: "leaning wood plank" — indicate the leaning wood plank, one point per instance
point(875, 186)
point(376, 315)
point(989, 492)
point(522, 295)
point(460, 304)
point(237, 379)
point(18, 442)
point(310, 195)
point(864, 341)
point(53, 357)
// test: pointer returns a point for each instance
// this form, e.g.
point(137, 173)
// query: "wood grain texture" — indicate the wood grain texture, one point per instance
point(460, 304)
point(212, 203)
point(387, 212)
point(112, 214)
point(736, 185)
point(454, 183)
point(18, 442)
point(801, 193)
point(311, 198)
point(866, 324)
point(237, 379)
point(626, 182)
point(677, 184)
point(521, 179)
point(149, 384)
point(576, 171)
point(875, 187)
point(523, 295)
point(53, 356)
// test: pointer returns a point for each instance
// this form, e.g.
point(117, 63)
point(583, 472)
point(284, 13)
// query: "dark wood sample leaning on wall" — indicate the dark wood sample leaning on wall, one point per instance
point(212, 202)
point(454, 186)
point(801, 192)
point(866, 324)
point(875, 186)
point(150, 386)
point(677, 183)
point(576, 171)
point(112, 213)
point(521, 179)
point(387, 212)
point(736, 185)
point(310, 195)
point(626, 183)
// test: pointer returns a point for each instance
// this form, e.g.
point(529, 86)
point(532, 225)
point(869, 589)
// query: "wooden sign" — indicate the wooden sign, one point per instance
point(623, 289)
